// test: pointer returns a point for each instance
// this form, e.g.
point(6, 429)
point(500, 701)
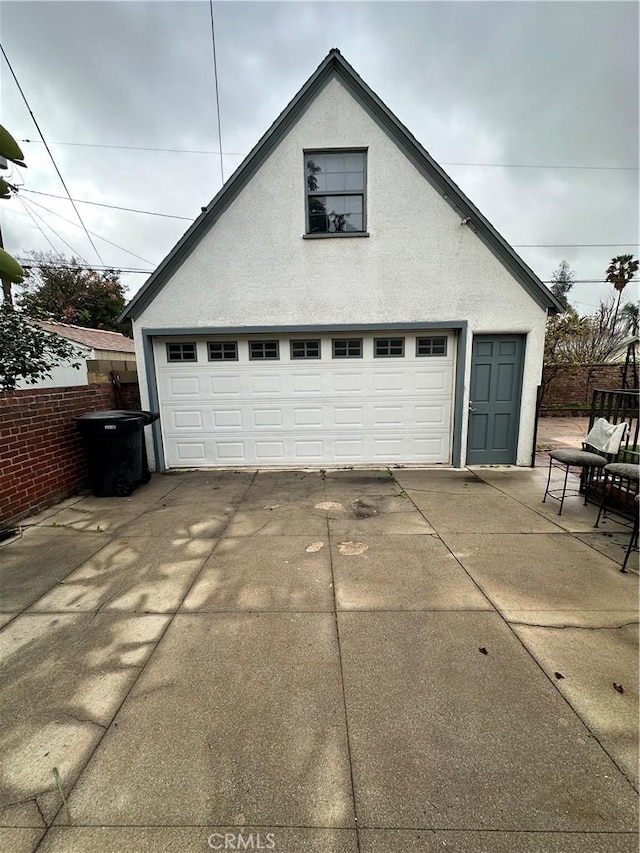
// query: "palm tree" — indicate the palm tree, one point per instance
point(619, 273)
point(630, 315)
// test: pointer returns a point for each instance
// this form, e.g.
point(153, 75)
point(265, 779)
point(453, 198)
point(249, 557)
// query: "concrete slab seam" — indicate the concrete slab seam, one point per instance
point(344, 696)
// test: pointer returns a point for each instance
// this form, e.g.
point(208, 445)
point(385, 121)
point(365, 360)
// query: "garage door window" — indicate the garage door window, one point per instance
point(264, 350)
point(181, 352)
point(388, 347)
point(305, 349)
point(223, 350)
point(431, 346)
point(347, 348)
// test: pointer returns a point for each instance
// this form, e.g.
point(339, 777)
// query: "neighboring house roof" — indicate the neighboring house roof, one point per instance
point(92, 338)
point(334, 64)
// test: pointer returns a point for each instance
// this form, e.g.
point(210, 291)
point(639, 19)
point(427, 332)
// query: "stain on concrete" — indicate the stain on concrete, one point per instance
point(330, 505)
point(363, 509)
point(315, 546)
point(352, 549)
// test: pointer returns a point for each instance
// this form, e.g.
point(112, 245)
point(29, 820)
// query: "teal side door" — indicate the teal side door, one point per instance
point(494, 399)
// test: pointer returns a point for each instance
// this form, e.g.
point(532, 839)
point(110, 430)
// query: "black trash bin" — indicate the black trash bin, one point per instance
point(116, 457)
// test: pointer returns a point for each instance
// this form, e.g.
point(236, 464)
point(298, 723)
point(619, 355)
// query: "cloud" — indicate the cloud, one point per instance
point(520, 83)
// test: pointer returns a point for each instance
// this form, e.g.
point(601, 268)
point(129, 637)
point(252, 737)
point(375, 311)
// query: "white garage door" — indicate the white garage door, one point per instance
point(306, 400)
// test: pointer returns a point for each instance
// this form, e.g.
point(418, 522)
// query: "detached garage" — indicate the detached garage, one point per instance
point(340, 302)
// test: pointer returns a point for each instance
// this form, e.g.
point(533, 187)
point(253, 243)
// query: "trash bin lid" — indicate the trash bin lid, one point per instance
point(111, 415)
point(149, 417)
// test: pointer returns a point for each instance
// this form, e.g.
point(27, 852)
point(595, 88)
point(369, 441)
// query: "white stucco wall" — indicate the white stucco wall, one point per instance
point(418, 265)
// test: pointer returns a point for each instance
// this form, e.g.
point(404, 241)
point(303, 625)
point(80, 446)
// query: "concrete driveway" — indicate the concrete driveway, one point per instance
point(344, 661)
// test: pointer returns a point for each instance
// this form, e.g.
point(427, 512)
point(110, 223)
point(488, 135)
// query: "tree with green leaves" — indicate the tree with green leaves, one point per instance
point(561, 283)
point(619, 273)
point(29, 353)
point(61, 289)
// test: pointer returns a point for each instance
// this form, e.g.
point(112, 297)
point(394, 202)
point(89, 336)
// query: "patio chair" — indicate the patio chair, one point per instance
point(604, 437)
point(571, 459)
point(620, 472)
point(633, 539)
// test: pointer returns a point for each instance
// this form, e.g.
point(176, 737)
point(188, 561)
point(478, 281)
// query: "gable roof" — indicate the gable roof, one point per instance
point(335, 65)
point(92, 338)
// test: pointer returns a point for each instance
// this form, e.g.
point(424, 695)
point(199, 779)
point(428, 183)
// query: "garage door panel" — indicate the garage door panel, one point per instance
point(306, 383)
point(187, 420)
point(225, 418)
point(305, 417)
point(190, 452)
point(284, 412)
point(436, 380)
point(267, 418)
point(230, 451)
point(185, 386)
point(346, 383)
point(225, 385)
point(270, 452)
point(346, 449)
point(348, 416)
point(433, 415)
point(390, 382)
point(386, 415)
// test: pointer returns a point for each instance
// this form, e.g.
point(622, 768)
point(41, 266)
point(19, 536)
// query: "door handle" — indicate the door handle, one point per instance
point(471, 409)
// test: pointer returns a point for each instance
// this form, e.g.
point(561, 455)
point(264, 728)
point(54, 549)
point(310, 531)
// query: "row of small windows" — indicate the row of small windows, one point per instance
point(308, 349)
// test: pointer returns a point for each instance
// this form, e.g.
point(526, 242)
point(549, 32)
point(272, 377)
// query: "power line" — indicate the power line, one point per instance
point(55, 165)
point(104, 239)
point(36, 223)
point(211, 152)
point(541, 166)
point(111, 206)
point(51, 228)
point(215, 77)
point(30, 262)
point(206, 151)
point(571, 245)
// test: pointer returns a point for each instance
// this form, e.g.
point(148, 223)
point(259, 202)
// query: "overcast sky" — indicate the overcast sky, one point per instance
point(550, 84)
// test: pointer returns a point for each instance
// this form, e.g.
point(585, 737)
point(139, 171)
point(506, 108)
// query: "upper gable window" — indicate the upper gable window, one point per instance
point(335, 185)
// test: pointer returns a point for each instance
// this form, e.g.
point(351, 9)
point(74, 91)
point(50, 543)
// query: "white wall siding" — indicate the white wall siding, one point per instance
point(62, 376)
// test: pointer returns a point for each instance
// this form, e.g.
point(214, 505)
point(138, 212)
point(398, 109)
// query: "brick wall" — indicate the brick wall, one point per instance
point(568, 388)
point(41, 455)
